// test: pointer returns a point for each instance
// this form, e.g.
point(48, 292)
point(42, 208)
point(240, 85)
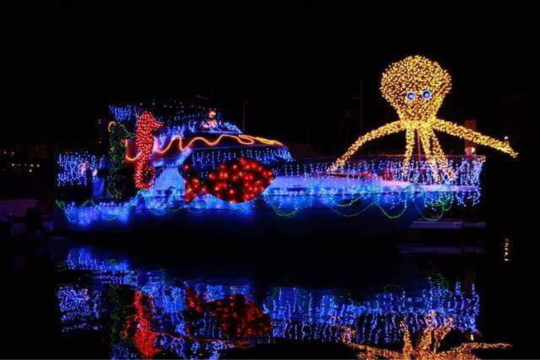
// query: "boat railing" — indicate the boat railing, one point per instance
point(464, 170)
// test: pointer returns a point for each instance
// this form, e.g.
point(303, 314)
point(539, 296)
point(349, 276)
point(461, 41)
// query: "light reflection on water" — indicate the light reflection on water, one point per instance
point(150, 313)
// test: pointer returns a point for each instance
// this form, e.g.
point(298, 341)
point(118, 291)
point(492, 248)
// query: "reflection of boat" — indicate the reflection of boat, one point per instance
point(153, 313)
point(156, 146)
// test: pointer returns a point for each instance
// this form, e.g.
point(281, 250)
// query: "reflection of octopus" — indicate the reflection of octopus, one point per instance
point(416, 87)
point(144, 139)
point(427, 347)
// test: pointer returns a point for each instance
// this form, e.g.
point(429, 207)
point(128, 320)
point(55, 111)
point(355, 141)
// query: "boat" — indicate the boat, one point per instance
point(138, 184)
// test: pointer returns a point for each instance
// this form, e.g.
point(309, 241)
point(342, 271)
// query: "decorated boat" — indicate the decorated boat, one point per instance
point(177, 165)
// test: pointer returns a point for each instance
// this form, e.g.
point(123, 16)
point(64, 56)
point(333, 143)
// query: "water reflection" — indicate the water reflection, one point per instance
point(300, 314)
point(149, 313)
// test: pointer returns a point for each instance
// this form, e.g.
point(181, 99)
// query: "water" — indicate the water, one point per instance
point(192, 298)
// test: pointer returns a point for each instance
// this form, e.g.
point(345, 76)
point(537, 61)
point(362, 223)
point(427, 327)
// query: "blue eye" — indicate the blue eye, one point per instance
point(410, 96)
point(426, 94)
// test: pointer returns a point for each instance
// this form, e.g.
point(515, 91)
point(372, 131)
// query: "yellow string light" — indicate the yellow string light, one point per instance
point(416, 87)
point(384, 130)
point(427, 346)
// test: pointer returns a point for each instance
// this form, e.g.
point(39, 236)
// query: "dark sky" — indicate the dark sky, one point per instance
point(296, 62)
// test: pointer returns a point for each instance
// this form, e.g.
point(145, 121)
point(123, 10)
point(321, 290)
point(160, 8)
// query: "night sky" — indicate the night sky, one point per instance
point(297, 64)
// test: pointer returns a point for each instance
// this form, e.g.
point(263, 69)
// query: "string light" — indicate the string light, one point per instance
point(171, 112)
point(144, 139)
point(416, 87)
point(210, 158)
point(80, 308)
point(424, 186)
point(301, 186)
point(189, 318)
point(236, 181)
point(467, 134)
point(322, 315)
point(240, 139)
point(427, 346)
point(507, 247)
point(150, 134)
point(117, 136)
point(144, 337)
point(76, 169)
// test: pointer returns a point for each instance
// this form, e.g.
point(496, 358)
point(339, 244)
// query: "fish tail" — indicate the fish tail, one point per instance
point(194, 187)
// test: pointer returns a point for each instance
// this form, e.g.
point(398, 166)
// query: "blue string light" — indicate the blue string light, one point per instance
point(296, 314)
point(300, 186)
point(76, 169)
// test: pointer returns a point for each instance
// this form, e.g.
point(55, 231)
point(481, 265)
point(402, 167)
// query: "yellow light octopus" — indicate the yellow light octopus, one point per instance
point(416, 87)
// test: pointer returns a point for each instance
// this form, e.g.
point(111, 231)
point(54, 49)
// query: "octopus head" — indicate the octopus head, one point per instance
point(415, 87)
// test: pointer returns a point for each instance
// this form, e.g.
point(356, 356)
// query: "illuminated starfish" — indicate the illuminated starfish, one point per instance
point(427, 347)
point(416, 87)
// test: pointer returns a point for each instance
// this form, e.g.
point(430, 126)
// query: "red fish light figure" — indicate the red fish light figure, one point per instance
point(241, 318)
point(144, 139)
point(235, 181)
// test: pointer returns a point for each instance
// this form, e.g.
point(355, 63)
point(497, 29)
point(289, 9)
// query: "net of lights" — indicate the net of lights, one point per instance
point(75, 168)
point(124, 113)
point(181, 113)
point(211, 158)
point(194, 127)
point(371, 183)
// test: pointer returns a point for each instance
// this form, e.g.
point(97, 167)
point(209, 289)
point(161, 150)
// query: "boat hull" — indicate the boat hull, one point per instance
point(254, 223)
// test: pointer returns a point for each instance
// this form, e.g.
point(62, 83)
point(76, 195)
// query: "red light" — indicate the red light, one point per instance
point(225, 182)
point(144, 172)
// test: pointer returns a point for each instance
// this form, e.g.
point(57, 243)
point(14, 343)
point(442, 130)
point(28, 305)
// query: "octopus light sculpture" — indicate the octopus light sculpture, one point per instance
point(416, 87)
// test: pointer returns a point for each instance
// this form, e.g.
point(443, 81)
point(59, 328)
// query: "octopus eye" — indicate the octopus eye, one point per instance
point(410, 96)
point(426, 94)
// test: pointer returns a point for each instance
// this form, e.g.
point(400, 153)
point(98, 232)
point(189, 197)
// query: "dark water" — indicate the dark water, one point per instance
point(191, 298)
